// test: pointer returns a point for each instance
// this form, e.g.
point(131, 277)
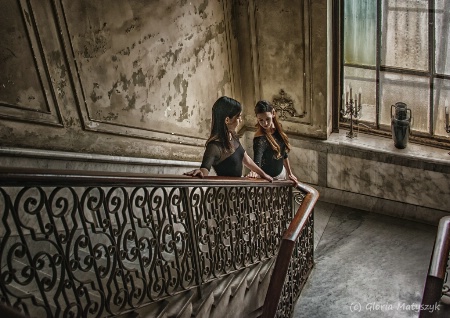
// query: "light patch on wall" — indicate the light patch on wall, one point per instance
point(92, 124)
point(30, 98)
point(168, 103)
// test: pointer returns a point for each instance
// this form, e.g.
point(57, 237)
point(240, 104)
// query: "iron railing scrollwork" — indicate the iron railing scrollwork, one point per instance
point(95, 244)
point(295, 257)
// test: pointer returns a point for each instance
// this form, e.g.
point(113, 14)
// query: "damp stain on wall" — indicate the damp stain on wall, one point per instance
point(150, 71)
point(94, 96)
point(60, 72)
point(139, 78)
point(171, 57)
point(181, 86)
point(95, 42)
point(202, 9)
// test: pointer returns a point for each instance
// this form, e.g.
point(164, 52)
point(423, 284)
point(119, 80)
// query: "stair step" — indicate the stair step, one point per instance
point(267, 268)
point(219, 291)
point(223, 288)
point(238, 281)
point(207, 292)
point(255, 314)
point(254, 275)
point(217, 301)
point(179, 306)
point(258, 291)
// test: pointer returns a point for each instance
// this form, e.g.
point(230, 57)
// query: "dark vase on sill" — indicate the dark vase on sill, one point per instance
point(400, 124)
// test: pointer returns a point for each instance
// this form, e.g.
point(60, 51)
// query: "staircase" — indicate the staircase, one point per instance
point(240, 294)
point(74, 244)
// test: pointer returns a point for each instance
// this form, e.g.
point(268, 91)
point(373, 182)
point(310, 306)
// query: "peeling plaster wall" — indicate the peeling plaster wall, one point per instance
point(138, 78)
point(133, 78)
point(283, 46)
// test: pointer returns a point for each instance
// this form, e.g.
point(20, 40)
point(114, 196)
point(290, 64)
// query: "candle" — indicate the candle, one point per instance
point(356, 106)
point(359, 96)
point(346, 95)
point(350, 92)
point(446, 113)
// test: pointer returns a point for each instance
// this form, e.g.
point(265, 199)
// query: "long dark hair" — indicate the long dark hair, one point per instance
point(264, 106)
point(223, 107)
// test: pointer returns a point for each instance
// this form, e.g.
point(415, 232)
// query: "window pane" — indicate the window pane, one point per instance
point(364, 80)
point(441, 100)
point(442, 36)
point(405, 34)
point(409, 89)
point(360, 25)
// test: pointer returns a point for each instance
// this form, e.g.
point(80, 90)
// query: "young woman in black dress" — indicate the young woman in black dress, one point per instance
point(223, 150)
point(270, 144)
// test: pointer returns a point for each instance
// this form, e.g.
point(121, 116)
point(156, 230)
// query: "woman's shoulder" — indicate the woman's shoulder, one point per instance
point(259, 135)
point(214, 147)
point(214, 144)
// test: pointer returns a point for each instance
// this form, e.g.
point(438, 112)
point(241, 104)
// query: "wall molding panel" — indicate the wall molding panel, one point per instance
point(125, 106)
point(26, 91)
point(282, 54)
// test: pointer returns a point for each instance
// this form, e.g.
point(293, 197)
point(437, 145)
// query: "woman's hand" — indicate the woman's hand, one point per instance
point(195, 173)
point(292, 177)
point(249, 163)
point(253, 174)
point(267, 177)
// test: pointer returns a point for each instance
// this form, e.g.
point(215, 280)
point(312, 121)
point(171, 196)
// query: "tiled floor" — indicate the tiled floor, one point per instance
point(366, 265)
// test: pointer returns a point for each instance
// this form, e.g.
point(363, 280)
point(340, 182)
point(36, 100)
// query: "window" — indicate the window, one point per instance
point(398, 51)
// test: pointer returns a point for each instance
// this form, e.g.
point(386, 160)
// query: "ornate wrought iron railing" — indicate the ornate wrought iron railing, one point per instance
point(437, 284)
point(295, 258)
point(84, 244)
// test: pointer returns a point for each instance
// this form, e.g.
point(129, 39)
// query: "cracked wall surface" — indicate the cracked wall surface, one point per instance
point(139, 78)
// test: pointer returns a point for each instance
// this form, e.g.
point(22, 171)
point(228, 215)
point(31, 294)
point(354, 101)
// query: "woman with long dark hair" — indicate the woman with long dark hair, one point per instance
point(223, 150)
point(271, 144)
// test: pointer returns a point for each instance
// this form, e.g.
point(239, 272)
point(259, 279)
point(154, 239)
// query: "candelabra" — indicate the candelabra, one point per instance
point(353, 108)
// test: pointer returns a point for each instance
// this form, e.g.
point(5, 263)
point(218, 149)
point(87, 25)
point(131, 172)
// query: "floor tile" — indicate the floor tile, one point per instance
point(366, 265)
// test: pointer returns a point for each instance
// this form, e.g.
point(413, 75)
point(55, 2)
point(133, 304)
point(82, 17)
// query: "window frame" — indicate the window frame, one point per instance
point(338, 65)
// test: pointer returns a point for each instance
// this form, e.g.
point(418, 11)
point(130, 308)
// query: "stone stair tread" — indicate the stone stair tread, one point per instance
point(174, 306)
point(207, 291)
point(154, 310)
point(254, 274)
point(183, 306)
point(222, 288)
point(238, 280)
point(256, 313)
point(267, 268)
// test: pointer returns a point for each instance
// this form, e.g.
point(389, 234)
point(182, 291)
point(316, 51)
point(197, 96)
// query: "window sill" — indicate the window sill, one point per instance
point(382, 149)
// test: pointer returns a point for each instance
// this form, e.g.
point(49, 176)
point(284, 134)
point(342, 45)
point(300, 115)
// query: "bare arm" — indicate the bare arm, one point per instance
point(287, 166)
point(249, 163)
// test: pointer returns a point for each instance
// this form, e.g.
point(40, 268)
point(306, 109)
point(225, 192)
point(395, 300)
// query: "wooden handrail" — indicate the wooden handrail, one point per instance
point(436, 272)
point(44, 177)
point(286, 249)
